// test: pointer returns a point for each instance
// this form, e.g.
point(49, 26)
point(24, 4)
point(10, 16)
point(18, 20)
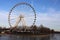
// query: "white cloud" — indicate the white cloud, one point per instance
point(49, 19)
point(3, 18)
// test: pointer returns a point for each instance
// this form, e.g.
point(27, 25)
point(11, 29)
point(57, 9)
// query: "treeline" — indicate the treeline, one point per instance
point(42, 30)
point(32, 30)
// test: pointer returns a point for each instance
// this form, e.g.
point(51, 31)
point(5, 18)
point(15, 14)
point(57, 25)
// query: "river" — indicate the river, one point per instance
point(24, 37)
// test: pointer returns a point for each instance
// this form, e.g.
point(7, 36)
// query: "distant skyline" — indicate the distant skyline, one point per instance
point(48, 12)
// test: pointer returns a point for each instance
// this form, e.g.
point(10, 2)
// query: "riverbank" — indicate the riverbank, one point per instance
point(27, 35)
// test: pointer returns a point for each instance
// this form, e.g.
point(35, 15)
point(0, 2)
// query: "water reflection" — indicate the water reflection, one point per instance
point(15, 37)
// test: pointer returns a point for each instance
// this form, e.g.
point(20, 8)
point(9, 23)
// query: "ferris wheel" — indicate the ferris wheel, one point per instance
point(20, 17)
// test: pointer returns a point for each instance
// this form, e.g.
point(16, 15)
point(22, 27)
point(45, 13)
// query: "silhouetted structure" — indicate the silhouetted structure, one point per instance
point(30, 30)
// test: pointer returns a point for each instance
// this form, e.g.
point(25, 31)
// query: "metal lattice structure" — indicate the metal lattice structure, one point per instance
point(23, 3)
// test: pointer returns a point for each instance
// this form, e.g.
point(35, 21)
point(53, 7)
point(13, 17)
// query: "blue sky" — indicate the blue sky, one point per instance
point(48, 12)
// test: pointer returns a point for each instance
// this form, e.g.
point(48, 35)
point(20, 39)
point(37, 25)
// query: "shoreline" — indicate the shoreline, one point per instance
point(32, 35)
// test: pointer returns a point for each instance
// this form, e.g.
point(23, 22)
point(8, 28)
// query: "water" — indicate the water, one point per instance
point(18, 37)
